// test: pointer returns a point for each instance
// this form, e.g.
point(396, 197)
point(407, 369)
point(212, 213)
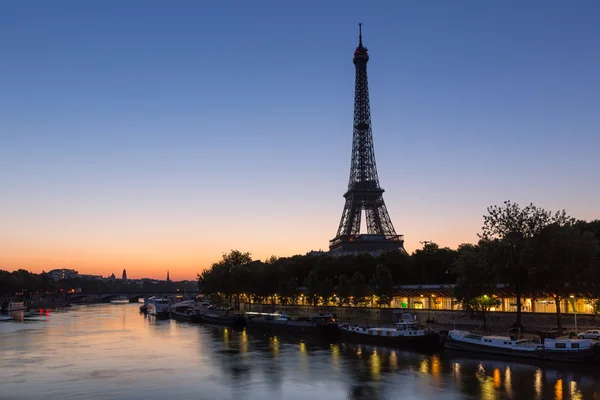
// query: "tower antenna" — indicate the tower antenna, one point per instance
point(360, 34)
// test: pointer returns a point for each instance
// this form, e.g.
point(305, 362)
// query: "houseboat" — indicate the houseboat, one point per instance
point(157, 307)
point(551, 349)
point(9, 306)
point(236, 320)
point(186, 313)
point(405, 333)
point(119, 300)
point(319, 324)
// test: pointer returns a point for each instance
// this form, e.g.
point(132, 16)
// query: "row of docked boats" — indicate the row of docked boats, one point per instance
point(407, 332)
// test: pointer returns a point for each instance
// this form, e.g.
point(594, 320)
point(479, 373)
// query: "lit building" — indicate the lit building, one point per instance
point(60, 274)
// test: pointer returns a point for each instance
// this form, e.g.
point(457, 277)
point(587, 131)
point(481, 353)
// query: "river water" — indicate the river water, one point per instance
point(112, 351)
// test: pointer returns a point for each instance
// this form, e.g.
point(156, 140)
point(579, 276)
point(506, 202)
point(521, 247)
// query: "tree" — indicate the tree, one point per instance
point(287, 291)
point(434, 264)
point(359, 288)
point(327, 290)
point(343, 290)
point(563, 261)
point(313, 287)
point(511, 226)
point(382, 285)
point(476, 280)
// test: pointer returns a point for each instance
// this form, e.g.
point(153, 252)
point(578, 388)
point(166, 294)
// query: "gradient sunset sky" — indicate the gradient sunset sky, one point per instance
point(154, 136)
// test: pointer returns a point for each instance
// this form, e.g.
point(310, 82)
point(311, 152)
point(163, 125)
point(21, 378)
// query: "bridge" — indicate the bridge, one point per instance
point(96, 297)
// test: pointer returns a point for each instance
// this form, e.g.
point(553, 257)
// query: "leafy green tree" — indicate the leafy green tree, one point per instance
point(511, 226)
point(382, 285)
point(476, 281)
point(564, 261)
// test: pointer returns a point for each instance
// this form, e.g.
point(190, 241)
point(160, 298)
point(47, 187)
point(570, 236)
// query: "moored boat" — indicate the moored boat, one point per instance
point(228, 320)
point(186, 313)
point(9, 306)
point(316, 324)
point(158, 307)
point(119, 300)
point(405, 333)
point(551, 349)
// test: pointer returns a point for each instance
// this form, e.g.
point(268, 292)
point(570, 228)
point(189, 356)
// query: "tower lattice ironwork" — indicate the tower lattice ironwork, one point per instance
point(364, 192)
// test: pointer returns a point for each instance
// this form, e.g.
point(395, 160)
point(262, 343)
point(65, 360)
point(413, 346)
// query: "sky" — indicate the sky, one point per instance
point(156, 136)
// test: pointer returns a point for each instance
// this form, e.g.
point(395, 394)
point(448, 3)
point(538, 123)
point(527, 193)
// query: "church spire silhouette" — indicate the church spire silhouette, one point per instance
point(168, 278)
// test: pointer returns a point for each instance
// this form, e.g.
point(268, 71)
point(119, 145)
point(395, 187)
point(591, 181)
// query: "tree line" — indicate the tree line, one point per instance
point(527, 250)
point(25, 283)
point(534, 253)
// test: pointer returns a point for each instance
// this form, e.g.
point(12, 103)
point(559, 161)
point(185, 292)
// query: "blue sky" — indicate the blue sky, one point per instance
point(155, 134)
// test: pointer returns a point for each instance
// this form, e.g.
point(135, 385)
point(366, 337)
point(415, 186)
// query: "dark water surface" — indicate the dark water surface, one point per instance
point(113, 352)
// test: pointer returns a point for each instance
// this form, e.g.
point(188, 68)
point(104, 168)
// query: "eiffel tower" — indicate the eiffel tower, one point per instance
point(364, 192)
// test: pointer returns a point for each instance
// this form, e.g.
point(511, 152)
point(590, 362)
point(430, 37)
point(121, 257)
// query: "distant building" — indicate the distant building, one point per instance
point(168, 278)
point(112, 277)
point(91, 277)
point(317, 253)
point(124, 275)
point(60, 274)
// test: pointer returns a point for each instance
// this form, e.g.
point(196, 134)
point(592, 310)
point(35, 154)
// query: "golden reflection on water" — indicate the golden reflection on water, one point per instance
point(226, 338)
point(393, 361)
point(497, 378)
point(302, 347)
point(335, 355)
point(423, 366)
point(359, 352)
point(436, 366)
point(375, 362)
point(303, 357)
point(244, 341)
point(574, 392)
point(275, 342)
point(558, 390)
point(537, 383)
point(508, 380)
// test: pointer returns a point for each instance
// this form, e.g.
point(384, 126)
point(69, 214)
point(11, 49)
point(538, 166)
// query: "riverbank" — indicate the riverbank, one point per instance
point(498, 322)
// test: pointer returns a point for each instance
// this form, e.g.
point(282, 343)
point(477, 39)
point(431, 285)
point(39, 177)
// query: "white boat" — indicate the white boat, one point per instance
point(559, 349)
point(157, 306)
point(119, 300)
point(406, 332)
point(9, 306)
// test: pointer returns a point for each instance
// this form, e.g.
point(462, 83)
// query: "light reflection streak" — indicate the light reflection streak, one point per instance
point(574, 392)
point(275, 341)
point(375, 362)
point(558, 390)
point(508, 381)
point(393, 361)
point(244, 342)
point(497, 378)
point(537, 383)
point(335, 355)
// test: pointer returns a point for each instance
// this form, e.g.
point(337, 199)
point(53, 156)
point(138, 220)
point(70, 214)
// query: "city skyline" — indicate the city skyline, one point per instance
point(152, 139)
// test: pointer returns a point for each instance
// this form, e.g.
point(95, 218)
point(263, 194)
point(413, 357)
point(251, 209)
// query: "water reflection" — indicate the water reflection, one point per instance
point(111, 351)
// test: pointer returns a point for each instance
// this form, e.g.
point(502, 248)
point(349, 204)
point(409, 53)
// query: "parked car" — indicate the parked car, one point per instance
point(591, 334)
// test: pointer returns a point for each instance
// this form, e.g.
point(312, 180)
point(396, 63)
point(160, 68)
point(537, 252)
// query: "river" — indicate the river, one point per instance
point(111, 351)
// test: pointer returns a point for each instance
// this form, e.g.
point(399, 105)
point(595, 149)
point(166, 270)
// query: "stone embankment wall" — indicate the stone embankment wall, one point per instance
point(444, 319)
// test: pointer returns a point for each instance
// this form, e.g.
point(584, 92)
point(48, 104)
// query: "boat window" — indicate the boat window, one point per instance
point(560, 345)
point(474, 337)
point(574, 345)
